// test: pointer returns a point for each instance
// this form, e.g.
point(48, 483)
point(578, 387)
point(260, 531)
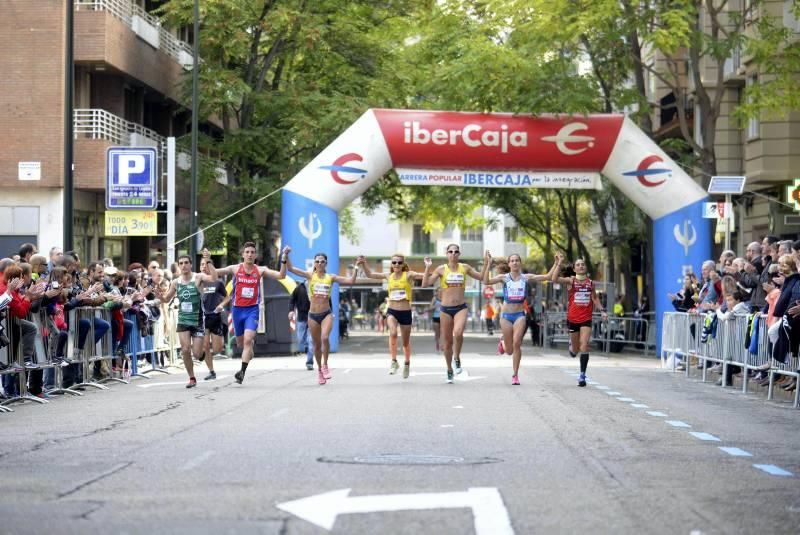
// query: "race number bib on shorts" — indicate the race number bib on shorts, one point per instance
point(322, 290)
point(248, 293)
point(455, 279)
point(186, 306)
point(397, 295)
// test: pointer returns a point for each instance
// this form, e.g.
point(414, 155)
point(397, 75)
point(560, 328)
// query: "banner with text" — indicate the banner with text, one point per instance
point(131, 223)
point(500, 179)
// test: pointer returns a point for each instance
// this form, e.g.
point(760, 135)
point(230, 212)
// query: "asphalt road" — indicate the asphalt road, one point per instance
point(543, 457)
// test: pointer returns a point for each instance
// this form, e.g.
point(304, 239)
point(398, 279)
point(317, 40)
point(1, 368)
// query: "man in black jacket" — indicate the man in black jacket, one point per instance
point(299, 305)
point(769, 251)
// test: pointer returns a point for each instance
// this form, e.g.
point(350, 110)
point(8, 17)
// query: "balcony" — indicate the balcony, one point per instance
point(124, 36)
point(733, 71)
point(96, 130)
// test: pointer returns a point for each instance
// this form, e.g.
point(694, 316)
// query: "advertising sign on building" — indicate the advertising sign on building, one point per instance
point(131, 223)
point(131, 174)
point(29, 171)
point(500, 179)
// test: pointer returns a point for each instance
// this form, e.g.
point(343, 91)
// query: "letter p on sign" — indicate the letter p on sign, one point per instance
point(130, 164)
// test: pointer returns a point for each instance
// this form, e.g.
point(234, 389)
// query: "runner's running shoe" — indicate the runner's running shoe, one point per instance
point(406, 370)
point(393, 368)
point(192, 382)
point(239, 376)
point(326, 372)
point(501, 348)
point(458, 365)
point(582, 379)
point(212, 376)
point(450, 376)
point(321, 377)
point(514, 380)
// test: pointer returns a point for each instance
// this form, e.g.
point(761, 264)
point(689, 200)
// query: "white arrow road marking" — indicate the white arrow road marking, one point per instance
point(613, 393)
point(678, 423)
point(704, 436)
point(773, 470)
point(657, 414)
point(489, 512)
point(150, 385)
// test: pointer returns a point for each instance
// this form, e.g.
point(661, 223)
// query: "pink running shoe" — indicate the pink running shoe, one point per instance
point(322, 380)
point(514, 380)
point(326, 372)
point(501, 348)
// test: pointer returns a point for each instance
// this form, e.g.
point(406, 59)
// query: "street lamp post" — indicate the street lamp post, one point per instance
point(195, 106)
point(68, 129)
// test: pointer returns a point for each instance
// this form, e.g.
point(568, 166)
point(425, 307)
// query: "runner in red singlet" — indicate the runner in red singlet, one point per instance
point(582, 300)
point(246, 300)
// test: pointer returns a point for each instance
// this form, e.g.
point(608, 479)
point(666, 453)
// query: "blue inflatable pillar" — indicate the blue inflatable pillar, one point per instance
point(681, 243)
point(309, 227)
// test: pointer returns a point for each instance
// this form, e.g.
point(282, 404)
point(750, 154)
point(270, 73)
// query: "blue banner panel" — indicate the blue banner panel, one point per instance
point(681, 243)
point(309, 227)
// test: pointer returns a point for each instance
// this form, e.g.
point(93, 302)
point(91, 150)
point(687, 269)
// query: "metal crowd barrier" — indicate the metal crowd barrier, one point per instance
point(47, 353)
point(682, 340)
point(93, 351)
point(162, 341)
point(611, 335)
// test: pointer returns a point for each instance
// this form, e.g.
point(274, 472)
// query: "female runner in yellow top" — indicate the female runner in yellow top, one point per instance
point(454, 308)
point(400, 284)
point(512, 317)
point(320, 318)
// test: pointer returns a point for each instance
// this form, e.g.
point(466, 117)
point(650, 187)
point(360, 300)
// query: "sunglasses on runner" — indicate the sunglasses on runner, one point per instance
point(453, 252)
point(320, 261)
point(394, 263)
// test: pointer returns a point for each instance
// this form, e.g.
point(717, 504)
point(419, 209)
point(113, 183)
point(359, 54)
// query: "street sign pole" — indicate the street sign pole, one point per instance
point(170, 201)
point(195, 111)
point(728, 217)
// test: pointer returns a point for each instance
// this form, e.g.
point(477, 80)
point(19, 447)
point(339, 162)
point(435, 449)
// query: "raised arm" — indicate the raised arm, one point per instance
point(555, 278)
point(362, 261)
point(487, 264)
point(297, 271)
point(212, 272)
point(472, 272)
point(278, 275)
point(427, 277)
point(553, 269)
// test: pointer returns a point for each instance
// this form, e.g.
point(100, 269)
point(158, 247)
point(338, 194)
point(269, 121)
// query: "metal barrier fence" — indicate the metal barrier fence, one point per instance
point(687, 336)
point(610, 336)
point(93, 341)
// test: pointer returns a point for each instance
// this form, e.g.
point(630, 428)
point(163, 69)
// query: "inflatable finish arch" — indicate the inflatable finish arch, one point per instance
point(609, 144)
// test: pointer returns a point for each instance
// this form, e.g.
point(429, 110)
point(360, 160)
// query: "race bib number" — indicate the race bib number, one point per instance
point(583, 298)
point(248, 293)
point(186, 306)
point(455, 279)
point(515, 293)
point(397, 295)
point(321, 290)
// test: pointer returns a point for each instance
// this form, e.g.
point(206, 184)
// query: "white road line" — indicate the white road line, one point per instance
point(601, 387)
point(458, 406)
point(626, 400)
point(678, 423)
point(197, 461)
point(639, 406)
point(446, 425)
point(704, 436)
point(736, 452)
point(614, 393)
point(657, 414)
point(591, 383)
point(773, 470)
point(348, 370)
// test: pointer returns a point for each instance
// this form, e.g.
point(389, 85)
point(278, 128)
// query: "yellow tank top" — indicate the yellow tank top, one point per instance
point(321, 286)
point(454, 279)
point(399, 289)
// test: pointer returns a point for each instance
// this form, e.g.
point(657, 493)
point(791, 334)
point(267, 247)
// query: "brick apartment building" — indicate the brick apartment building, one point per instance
point(128, 71)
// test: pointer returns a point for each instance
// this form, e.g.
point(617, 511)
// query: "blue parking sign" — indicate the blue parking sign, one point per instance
point(131, 174)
